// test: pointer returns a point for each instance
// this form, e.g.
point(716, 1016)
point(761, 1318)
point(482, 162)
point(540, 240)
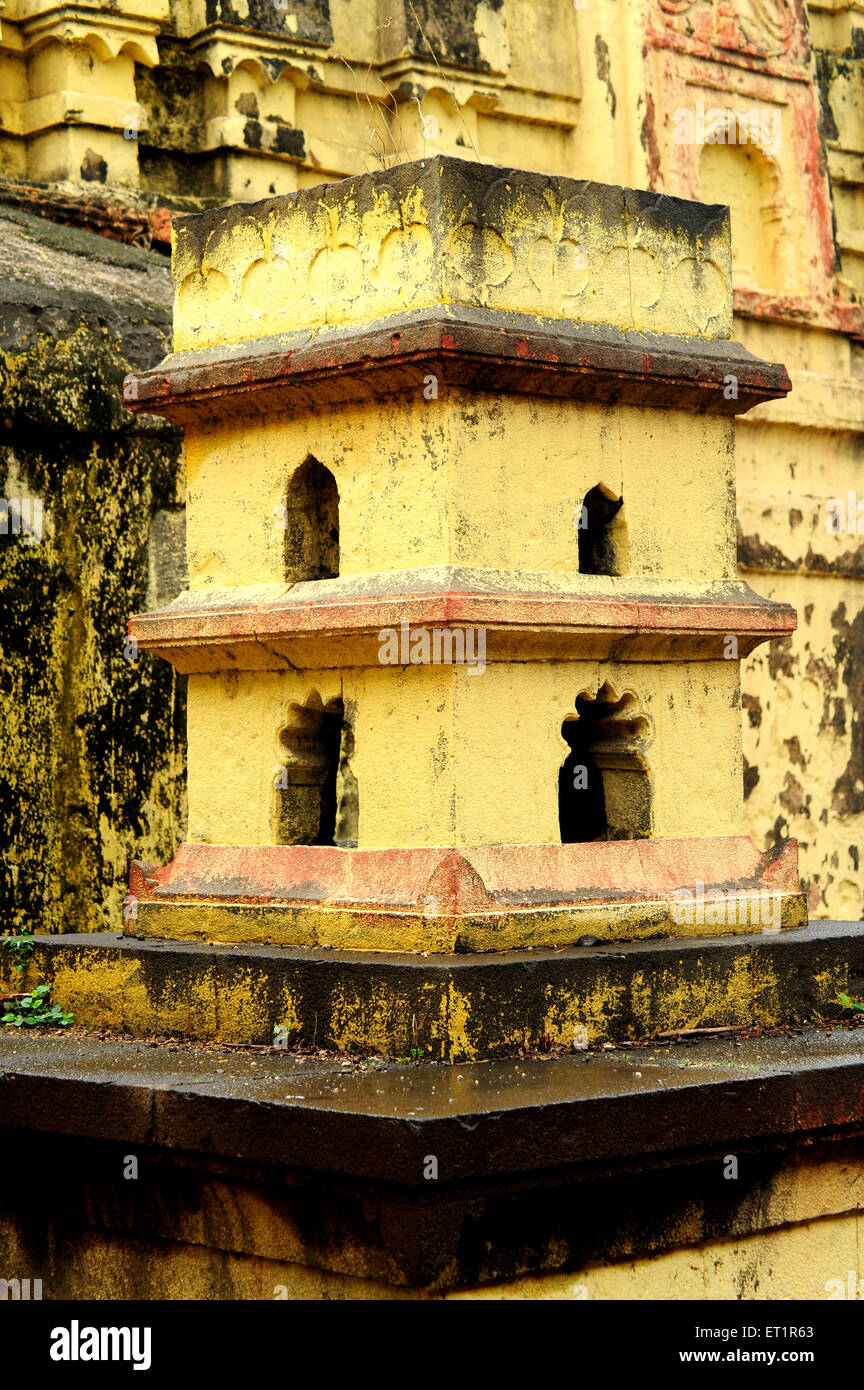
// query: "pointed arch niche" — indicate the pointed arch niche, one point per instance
point(602, 533)
point(748, 179)
point(311, 524)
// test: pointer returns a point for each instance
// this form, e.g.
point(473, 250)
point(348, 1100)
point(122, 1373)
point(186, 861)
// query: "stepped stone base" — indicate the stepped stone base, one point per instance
point(483, 898)
point(265, 1176)
point(449, 1008)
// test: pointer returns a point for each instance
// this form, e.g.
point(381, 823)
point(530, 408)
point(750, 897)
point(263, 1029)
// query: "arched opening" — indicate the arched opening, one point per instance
point(311, 524)
point(746, 178)
point(601, 533)
point(604, 789)
point(316, 794)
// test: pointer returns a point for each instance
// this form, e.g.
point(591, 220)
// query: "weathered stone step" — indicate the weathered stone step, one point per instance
point(446, 1007)
point(262, 1176)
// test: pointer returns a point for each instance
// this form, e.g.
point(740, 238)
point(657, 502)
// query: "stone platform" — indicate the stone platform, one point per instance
point(266, 1175)
point(448, 1007)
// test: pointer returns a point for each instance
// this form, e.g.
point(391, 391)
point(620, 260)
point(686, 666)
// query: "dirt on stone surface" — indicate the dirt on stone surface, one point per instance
point(82, 269)
point(93, 737)
point(674, 1044)
point(124, 1071)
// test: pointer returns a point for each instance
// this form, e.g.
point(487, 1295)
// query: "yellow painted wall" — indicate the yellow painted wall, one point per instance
point(431, 762)
point(491, 482)
point(803, 1241)
point(813, 1261)
point(810, 1261)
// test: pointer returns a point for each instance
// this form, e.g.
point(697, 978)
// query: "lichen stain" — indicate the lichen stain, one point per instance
point(93, 742)
point(848, 793)
point(604, 70)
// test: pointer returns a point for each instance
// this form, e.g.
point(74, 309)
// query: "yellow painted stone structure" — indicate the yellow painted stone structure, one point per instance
point(438, 402)
point(482, 464)
point(196, 103)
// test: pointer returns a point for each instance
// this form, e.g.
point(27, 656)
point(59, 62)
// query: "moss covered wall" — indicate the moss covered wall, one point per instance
point(93, 742)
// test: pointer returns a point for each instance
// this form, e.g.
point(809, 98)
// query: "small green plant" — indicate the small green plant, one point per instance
point(857, 1005)
point(34, 1009)
point(20, 947)
point(417, 1053)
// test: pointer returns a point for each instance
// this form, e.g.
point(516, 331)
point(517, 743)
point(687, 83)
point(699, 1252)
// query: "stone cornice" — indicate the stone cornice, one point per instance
point(336, 623)
point(449, 898)
point(473, 348)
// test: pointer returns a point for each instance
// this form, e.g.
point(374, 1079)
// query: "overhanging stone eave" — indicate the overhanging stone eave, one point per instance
point(255, 41)
point(467, 879)
point(472, 348)
point(347, 631)
point(490, 897)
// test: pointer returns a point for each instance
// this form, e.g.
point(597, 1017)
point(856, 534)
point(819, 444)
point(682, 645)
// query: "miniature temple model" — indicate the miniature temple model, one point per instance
point(464, 625)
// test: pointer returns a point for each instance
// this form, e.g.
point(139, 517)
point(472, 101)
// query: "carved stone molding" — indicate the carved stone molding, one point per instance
point(750, 29)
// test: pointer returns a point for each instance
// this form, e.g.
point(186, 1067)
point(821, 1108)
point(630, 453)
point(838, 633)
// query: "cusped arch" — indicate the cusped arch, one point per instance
point(251, 67)
point(309, 752)
point(268, 73)
point(145, 54)
point(604, 783)
point(105, 46)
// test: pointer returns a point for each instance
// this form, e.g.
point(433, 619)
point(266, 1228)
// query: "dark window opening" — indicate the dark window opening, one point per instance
point(581, 799)
point(311, 524)
point(601, 533)
point(604, 790)
point(317, 800)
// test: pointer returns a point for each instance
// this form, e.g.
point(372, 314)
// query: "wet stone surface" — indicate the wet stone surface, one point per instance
point(377, 1086)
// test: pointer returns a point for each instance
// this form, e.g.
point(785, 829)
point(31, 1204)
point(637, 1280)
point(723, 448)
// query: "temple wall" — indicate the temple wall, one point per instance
point(93, 737)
